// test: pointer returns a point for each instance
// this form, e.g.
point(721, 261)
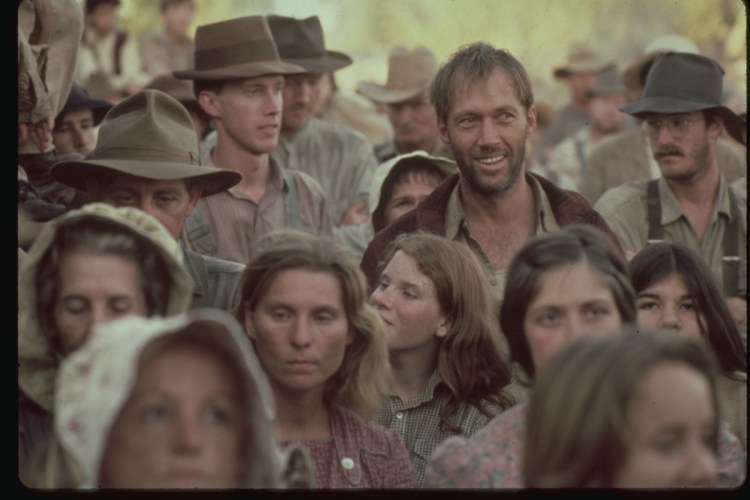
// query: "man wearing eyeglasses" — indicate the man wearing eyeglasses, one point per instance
point(691, 203)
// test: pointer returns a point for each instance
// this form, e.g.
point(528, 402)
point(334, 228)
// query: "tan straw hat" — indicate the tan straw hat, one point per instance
point(409, 74)
point(301, 42)
point(635, 74)
point(582, 59)
point(149, 135)
point(238, 48)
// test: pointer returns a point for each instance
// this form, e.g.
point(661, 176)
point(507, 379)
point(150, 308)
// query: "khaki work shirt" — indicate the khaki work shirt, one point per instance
point(625, 209)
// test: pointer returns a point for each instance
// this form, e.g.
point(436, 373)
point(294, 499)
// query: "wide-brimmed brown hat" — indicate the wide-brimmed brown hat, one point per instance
point(634, 76)
point(410, 73)
point(180, 90)
point(582, 59)
point(301, 42)
point(239, 48)
point(148, 135)
point(681, 83)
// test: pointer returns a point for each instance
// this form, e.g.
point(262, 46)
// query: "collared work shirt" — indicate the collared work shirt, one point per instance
point(626, 210)
point(457, 229)
point(339, 158)
point(237, 222)
point(418, 421)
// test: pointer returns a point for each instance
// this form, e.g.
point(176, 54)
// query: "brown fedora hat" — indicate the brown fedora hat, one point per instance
point(148, 135)
point(410, 73)
point(301, 42)
point(582, 59)
point(238, 48)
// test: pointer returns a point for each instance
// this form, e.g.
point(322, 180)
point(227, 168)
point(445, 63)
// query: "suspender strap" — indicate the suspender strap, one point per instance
point(655, 232)
point(291, 201)
point(203, 300)
point(731, 245)
point(581, 155)
point(731, 259)
point(199, 233)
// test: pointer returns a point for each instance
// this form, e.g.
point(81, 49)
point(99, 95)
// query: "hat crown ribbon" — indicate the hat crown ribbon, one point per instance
point(237, 53)
point(146, 154)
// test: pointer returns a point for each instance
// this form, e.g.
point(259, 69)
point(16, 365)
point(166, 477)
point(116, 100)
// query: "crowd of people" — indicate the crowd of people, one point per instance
point(234, 274)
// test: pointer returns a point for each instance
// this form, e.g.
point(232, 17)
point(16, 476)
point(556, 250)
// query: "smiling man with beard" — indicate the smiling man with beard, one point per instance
point(485, 112)
point(691, 203)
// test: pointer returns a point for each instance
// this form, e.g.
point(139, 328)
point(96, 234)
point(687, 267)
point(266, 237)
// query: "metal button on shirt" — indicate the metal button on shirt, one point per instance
point(400, 415)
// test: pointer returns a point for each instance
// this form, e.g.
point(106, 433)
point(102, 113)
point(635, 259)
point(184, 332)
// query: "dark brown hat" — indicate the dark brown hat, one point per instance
point(301, 42)
point(79, 99)
point(607, 82)
point(148, 135)
point(238, 48)
point(680, 83)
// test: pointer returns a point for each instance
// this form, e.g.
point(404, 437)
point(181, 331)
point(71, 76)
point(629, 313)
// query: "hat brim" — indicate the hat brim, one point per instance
point(77, 173)
point(380, 93)
point(331, 62)
point(659, 104)
point(245, 70)
point(566, 71)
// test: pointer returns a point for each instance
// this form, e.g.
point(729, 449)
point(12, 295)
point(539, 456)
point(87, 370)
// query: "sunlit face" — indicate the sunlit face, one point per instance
point(685, 157)
point(94, 288)
point(301, 94)
point(604, 112)
point(177, 18)
point(573, 300)
point(247, 113)
point(300, 329)
point(580, 83)
point(672, 431)
point(407, 194)
point(407, 301)
point(487, 129)
point(76, 133)
point(669, 305)
point(414, 124)
point(181, 427)
point(169, 202)
point(104, 18)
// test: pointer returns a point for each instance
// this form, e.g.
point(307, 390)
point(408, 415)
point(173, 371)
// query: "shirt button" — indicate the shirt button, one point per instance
point(400, 415)
point(347, 463)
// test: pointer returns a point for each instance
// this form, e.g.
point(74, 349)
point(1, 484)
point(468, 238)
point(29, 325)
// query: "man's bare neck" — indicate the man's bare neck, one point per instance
point(497, 209)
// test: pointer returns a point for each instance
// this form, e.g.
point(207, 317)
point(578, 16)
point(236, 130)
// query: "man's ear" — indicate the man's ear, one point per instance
point(208, 100)
point(531, 119)
point(443, 129)
point(94, 190)
point(195, 195)
point(715, 126)
point(247, 323)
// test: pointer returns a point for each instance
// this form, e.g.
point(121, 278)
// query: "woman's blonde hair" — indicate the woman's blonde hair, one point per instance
point(470, 362)
point(362, 381)
point(577, 429)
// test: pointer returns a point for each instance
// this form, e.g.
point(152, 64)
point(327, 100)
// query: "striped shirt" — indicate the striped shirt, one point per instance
point(237, 222)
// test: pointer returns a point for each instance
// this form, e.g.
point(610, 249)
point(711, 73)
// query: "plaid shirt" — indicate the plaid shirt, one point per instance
point(418, 421)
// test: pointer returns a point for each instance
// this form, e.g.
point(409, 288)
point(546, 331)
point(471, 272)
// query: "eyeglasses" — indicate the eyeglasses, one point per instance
point(677, 127)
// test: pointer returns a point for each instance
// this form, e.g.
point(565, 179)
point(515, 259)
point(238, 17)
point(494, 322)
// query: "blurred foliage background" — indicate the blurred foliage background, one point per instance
point(538, 32)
